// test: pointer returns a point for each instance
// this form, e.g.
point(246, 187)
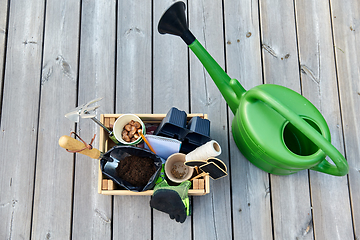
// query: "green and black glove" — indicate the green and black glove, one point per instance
point(173, 200)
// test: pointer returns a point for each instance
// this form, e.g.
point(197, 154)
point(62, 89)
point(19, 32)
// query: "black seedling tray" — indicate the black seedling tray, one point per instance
point(192, 135)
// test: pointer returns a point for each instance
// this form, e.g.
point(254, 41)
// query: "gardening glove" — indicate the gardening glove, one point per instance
point(173, 200)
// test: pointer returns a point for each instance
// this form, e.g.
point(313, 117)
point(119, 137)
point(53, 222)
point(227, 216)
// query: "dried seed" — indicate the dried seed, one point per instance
point(126, 138)
point(128, 127)
point(137, 125)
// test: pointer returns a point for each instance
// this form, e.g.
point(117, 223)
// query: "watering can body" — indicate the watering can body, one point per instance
point(269, 140)
point(274, 127)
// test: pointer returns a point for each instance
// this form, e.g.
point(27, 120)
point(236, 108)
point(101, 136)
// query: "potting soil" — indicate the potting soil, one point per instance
point(136, 170)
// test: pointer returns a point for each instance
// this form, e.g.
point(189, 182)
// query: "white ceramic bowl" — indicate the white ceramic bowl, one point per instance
point(176, 162)
point(120, 124)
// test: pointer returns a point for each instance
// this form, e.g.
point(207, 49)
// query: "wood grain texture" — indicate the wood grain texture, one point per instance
point(250, 185)
point(214, 209)
point(170, 66)
point(133, 89)
point(290, 195)
point(19, 138)
point(331, 212)
point(170, 89)
point(346, 20)
point(3, 34)
point(92, 213)
point(54, 175)
point(278, 43)
point(132, 214)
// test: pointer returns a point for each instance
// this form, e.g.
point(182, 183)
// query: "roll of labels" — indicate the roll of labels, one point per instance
point(203, 159)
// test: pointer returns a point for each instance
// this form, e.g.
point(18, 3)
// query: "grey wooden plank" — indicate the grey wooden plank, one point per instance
point(92, 212)
point(134, 57)
point(346, 20)
point(329, 194)
point(250, 185)
point(132, 214)
point(213, 209)
point(54, 166)
point(170, 89)
point(278, 44)
point(3, 34)
point(292, 211)
point(291, 205)
point(170, 70)
point(19, 117)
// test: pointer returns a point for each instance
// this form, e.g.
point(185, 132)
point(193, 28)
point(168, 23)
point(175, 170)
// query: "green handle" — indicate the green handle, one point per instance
point(341, 168)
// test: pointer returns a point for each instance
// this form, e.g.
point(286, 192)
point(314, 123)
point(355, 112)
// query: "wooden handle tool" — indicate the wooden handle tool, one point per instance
point(72, 144)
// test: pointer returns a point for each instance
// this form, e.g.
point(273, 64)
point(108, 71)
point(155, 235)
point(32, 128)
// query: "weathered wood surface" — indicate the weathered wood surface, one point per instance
point(170, 88)
point(92, 213)
point(251, 209)
point(345, 18)
point(329, 195)
point(291, 203)
point(214, 209)
point(18, 141)
point(3, 33)
point(132, 215)
point(58, 95)
point(55, 55)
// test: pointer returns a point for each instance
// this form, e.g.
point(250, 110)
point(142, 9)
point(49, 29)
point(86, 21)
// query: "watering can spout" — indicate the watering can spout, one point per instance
point(174, 22)
point(231, 89)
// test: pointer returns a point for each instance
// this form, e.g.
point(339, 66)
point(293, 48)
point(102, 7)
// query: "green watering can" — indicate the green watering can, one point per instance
point(275, 128)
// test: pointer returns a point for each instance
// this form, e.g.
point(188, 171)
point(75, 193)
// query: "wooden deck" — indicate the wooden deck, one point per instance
point(55, 55)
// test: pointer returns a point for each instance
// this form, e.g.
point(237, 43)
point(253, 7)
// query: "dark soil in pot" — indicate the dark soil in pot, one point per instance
point(136, 170)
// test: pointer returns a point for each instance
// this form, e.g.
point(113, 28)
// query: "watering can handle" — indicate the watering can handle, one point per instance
point(341, 168)
point(72, 144)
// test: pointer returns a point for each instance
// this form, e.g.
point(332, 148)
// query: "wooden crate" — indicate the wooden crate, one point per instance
point(108, 187)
